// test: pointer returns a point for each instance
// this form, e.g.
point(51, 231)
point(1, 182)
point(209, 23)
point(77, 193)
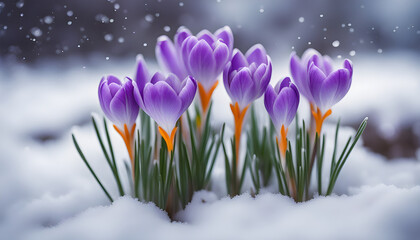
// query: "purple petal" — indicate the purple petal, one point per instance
point(114, 88)
point(242, 88)
point(307, 55)
point(187, 94)
point(168, 57)
point(265, 80)
point(202, 64)
point(226, 78)
point(226, 35)
point(162, 104)
point(349, 66)
point(282, 84)
point(142, 74)
point(269, 98)
point(328, 67)
point(206, 36)
point(118, 108)
point(132, 107)
point(285, 107)
point(258, 77)
point(221, 56)
point(181, 34)
point(299, 75)
point(334, 88)
point(316, 78)
point(256, 54)
point(187, 46)
point(157, 77)
point(238, 60)
point(174, 82)
point(105, 98)
point(138, 95)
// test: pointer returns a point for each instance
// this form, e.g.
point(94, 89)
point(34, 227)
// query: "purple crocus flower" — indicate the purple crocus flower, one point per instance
point(246, 79)
point(327, 88)
point(205, 57)
point(299, 70)
point(282, 103)
point(165, 100)
point(118, 103)
point(168, 53)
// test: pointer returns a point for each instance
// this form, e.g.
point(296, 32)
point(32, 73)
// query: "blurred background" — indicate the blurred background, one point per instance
point(53, 53)
point(34, 30)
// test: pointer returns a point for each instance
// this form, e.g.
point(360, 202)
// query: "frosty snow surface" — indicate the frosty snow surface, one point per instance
point(47, 193)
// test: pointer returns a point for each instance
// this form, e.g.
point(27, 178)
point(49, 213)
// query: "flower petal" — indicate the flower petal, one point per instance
point(162, 104)
point(186, 48)
point(157, 77)
point(316, 78)
point(242, 88)
point(225, 33)
point(299, 75)
point(138, 96)
point(174, 82)
point(168, 57)
point(105, 98)
point(142, 74)
point(226, 77)
point(269, 98)
point(238, 60)
point(202, 64)
point(221, 56)
point(181, 34)
point(206, 36)
point(187, 93)
point(334, 88)
point(256, 54)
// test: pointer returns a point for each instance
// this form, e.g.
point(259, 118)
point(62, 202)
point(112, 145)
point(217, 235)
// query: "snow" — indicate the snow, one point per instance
point(47, 192)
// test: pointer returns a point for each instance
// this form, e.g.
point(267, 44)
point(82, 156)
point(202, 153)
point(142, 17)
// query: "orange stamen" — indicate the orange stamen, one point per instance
point(128, 137)
point(205, 96)
point(238, 116)
point(319, 118)
point(168, 139)
point(283, 141)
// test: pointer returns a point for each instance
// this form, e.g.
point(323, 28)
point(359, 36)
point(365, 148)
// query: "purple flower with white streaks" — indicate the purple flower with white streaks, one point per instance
point(327, 88)
point(246, 77)
point(204, 57)
point(282, 103)
point(168, 53)
point(299, 70)
point(118, 103)
point(165, 99)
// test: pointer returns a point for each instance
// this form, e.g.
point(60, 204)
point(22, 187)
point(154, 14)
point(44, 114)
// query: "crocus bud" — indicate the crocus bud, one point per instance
point(118, 103)
point(205, 57)
point(299, 70)
point(246, 77)
point(165, 99)
point(327, 88)
point(168, 53)
point(282, 103)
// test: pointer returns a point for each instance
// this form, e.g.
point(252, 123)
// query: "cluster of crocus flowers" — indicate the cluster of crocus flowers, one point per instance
point(319, 83)
point(118, 104)
point(281, 104)
point(193, 64)
point(246, 78)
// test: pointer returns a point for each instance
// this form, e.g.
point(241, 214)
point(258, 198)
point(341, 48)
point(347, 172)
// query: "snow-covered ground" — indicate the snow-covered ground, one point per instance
point(46, 192)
